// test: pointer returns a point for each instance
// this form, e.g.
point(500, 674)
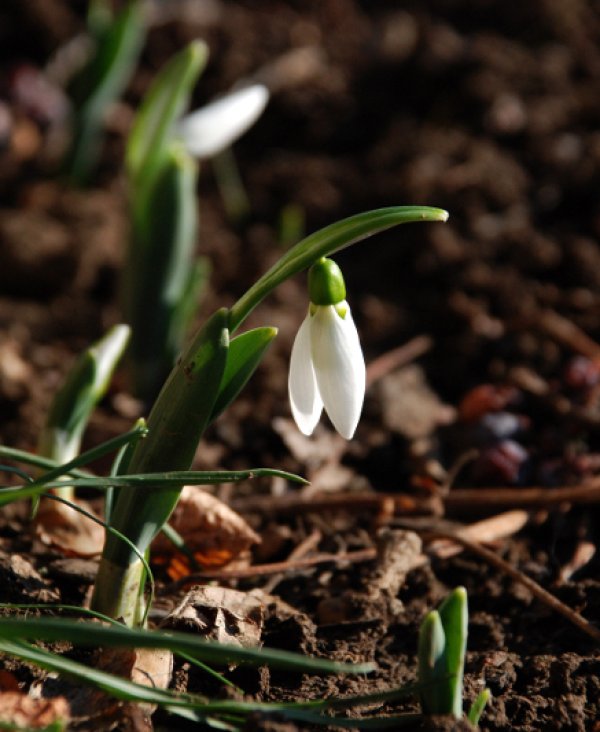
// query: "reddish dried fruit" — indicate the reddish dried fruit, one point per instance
point(582, 373)
point(501, 463)
point(500, 426)
point(486, 398)
point(37, 96)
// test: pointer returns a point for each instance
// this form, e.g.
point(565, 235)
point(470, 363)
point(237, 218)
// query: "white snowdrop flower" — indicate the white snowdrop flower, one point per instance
point(212, 128)
point(327, 367)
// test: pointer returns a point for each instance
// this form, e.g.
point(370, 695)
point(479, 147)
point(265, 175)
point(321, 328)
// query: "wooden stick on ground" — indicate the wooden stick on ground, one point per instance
point(536, 590)
point(263, 570)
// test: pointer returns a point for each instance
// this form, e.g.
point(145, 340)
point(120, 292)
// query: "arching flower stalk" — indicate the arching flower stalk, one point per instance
point(327, 367)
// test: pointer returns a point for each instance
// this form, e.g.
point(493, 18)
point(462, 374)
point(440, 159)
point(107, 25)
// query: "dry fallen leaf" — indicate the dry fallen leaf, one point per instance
point(93, 709)
point(211, 530)
point(409, 405)
point(221, 614)
point(67, 530)
point(21, 711)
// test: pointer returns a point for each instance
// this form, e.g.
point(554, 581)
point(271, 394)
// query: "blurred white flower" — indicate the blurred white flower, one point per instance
point(327, 370)
point(212, 128)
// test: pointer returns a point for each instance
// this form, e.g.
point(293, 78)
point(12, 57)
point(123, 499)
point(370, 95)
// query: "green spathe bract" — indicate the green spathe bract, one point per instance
point(326, 284)
point(207, 377)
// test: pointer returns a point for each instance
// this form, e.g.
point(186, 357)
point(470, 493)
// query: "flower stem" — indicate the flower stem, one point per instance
point(324, 243)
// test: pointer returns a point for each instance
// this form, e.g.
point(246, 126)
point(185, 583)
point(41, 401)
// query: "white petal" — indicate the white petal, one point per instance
point(302, 385)
point(339, 366)
point(214, 127)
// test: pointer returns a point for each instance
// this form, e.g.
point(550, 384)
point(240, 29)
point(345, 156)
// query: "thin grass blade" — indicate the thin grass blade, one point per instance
point(91, 634)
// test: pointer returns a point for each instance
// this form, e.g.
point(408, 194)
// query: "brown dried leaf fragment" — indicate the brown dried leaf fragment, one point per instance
point(21, 711)
point(211, 530)
point(93, 709)
point(67, 530)
point(221, 614)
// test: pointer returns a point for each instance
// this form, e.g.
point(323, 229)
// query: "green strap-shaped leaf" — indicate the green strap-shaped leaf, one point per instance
point(176, 423)
point(432, 667)
point(166, 100)
point(454, 615)
point(158, 271)
point(245, 353)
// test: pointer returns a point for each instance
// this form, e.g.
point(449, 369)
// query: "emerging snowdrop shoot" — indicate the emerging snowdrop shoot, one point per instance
point(327, 368)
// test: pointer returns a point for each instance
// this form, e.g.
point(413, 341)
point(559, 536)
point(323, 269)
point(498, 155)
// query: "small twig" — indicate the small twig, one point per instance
point(566, 332)
point(467, 498)
point(262, 570)
point(536, 590)
point(319, 502)
point(309, 544)
point(529, 381)
point(484, 532)
point(458, 499)
point(398, 357)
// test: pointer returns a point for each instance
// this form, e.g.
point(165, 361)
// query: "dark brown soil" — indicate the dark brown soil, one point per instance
point(488, 109)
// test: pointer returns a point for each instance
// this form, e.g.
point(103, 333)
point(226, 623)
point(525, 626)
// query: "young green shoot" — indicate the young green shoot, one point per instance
point(85, 385)
point(163, 278)
point(116, 45)
point(441, 658)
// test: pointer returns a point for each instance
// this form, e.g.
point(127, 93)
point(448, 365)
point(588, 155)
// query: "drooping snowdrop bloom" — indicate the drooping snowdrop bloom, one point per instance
point(327, 367)
point(212, 128)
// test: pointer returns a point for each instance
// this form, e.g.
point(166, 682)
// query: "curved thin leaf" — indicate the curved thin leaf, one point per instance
point(245, 354)
point(86, 633)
